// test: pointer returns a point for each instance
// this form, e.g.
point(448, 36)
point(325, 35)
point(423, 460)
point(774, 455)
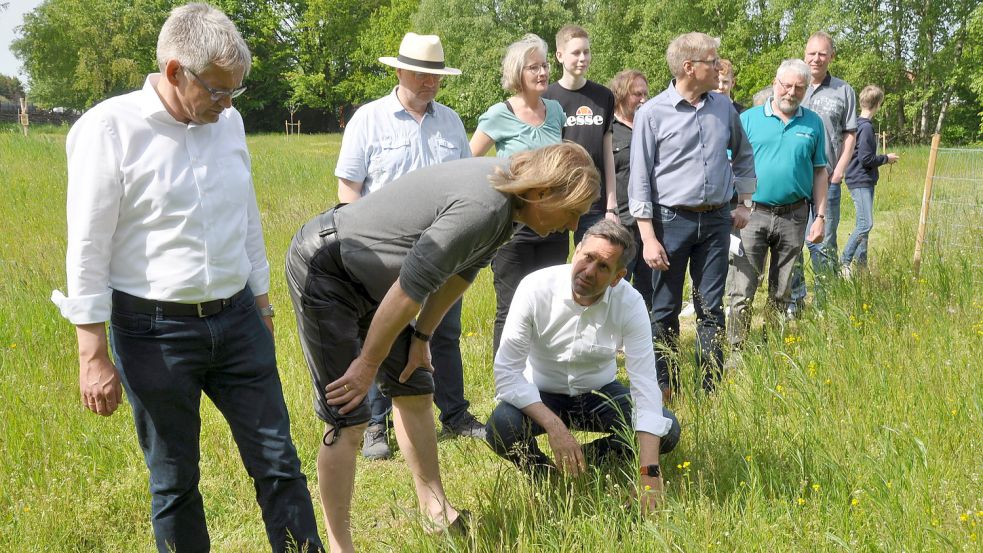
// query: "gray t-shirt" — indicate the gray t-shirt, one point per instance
point(836, 103)
point(426, 226)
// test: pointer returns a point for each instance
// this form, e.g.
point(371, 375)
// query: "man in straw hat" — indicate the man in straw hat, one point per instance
point(385, 139)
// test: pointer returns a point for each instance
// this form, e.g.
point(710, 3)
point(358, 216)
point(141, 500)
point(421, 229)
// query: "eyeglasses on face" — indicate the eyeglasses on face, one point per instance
point(217, 94)
point(793, 88)
point(421, 77)
point(715, 62)
point(537, 67)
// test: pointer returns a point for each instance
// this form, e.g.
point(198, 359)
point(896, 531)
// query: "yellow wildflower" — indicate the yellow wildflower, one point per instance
point(801, 501)
point(815, 487)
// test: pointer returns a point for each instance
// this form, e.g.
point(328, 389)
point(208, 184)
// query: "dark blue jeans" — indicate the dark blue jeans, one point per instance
point(700, 241)
point(512, 435)
point(165, 364)
point(448, 375)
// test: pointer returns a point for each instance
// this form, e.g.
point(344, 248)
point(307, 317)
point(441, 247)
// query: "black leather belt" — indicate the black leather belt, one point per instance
point(698, 208)
point(133, 304)
point(780, 209)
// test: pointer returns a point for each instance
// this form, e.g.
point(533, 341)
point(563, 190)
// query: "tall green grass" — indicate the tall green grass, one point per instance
point(856, 428)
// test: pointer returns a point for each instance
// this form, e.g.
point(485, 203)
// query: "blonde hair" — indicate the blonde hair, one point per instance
point(515, 59)
point(565, 172)
point(726, 68)
point(691, 46)
point(568, 33)
point(620, 86)
point(871, 96)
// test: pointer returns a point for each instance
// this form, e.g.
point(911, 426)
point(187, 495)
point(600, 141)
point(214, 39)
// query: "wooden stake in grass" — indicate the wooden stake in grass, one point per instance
point(926, 201)
point(23, 115)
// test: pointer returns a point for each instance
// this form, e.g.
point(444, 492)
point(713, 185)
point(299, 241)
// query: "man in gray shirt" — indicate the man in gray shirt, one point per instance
point(836, 103)
point(679, 191)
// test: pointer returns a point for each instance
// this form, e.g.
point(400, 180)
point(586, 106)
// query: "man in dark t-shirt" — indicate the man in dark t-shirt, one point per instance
point(590, 109)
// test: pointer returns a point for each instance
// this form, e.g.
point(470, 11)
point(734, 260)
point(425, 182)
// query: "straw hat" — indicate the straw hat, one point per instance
point(421, 53)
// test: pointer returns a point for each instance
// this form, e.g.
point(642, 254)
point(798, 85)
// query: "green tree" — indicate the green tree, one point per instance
point(10, 87)
point(77, 52)
point(475, 34)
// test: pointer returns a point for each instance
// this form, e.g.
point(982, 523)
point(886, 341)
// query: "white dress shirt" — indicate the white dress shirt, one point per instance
point(158, 208)
point(553, 344)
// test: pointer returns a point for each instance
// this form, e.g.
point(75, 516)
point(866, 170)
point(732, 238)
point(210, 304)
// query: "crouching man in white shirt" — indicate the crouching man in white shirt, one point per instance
point(555, 369)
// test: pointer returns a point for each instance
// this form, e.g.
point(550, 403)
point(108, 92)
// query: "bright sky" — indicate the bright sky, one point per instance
point(13, 17)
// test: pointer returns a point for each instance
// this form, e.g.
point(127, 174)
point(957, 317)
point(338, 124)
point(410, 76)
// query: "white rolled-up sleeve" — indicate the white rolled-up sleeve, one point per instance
point(511, 385)
point(640, 366)
point(95, 189)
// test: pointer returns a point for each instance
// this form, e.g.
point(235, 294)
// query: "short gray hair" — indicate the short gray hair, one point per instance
point(199, 36)
point(796, 66)
point(515, 59)
point(691, 46)
point(616, 234)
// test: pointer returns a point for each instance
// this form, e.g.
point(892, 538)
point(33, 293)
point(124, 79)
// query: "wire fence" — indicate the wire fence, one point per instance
point(951, 232)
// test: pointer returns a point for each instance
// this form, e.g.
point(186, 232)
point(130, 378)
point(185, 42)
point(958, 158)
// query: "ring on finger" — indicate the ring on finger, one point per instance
point(347, 388)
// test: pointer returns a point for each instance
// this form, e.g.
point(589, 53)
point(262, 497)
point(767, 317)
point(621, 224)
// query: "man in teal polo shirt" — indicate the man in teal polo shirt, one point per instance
point(790, 161)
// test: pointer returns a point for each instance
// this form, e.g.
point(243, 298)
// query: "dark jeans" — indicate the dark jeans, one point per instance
point(515, 260)
point(701, 241)
point(512, 435)
point(448, 375)
point(639, 272)
point(165, 364)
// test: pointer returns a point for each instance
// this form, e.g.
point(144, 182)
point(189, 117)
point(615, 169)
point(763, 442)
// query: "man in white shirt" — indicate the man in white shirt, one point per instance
point(555, 369)
point(165, 242)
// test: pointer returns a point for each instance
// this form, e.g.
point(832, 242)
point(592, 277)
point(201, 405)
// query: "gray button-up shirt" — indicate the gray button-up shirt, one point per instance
point(679, 153)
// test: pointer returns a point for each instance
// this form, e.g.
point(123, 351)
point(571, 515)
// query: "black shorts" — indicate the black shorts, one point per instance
point(334, 312)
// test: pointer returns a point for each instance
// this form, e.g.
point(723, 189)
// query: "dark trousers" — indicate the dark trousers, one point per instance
point(166, 363)
point(512, 435)
point(448, 375)
point(515, 260)
point(700, 241)
point(587, 220)
point(639, 272)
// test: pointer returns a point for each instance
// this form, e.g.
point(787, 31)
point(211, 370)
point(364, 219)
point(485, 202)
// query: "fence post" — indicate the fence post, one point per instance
point(926, 202)
point(24, 122)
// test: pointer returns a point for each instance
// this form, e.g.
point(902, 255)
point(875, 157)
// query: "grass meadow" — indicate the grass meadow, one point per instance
point(857, 428)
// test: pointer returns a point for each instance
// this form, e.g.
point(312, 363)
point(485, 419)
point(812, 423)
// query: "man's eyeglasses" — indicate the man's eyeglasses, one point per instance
point(793, 88)
point(217, 94)
point(422, 77)
point(715, 62)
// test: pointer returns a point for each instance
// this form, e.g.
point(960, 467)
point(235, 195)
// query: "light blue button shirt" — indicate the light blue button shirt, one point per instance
point(383, 142)
point(679, 153)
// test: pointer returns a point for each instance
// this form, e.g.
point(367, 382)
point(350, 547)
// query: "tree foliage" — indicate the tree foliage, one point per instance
point(323, 53)
point(10, 87)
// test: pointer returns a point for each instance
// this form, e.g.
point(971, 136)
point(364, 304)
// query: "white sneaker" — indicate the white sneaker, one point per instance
point(688, 310)
point(846, 272)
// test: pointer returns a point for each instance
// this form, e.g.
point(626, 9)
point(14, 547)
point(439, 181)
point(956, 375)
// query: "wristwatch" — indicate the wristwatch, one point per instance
point(267, 311)
point(420, 336)
point(748, 203)
point(651, 470)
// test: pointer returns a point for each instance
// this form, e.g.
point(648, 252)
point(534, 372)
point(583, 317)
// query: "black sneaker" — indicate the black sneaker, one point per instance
point(466, 425)
point(376, 442)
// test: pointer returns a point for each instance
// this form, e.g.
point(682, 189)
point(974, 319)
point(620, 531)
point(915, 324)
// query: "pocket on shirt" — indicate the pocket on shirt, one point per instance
point(601, 352)
point(392, 153)
point(447, 150)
